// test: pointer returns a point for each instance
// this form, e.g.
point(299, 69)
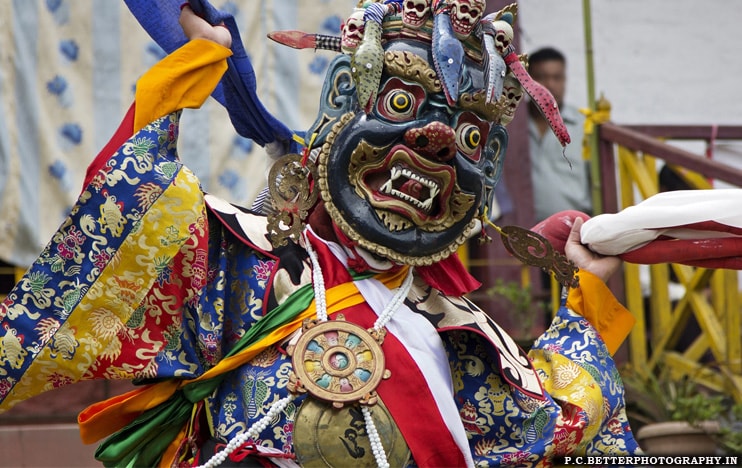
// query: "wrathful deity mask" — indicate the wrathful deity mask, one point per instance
point(407, 152)
point(407, 180)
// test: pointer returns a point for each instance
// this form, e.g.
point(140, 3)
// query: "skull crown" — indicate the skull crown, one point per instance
point(465, 14)
point(352, 32)
point(415, 12)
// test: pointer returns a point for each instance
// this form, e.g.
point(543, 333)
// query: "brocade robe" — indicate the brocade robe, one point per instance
point(152, 280)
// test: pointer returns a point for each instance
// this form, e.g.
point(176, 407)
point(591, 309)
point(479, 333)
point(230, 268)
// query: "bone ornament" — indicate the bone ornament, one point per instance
point(465, 14)
point(415, 13)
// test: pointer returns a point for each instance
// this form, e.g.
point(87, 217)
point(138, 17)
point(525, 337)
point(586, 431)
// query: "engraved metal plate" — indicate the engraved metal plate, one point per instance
point(325, 436)
point(534, 249)
point(291, 194)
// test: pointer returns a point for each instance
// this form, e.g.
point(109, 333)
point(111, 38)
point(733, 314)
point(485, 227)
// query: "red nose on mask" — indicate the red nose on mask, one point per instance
point(435, 140)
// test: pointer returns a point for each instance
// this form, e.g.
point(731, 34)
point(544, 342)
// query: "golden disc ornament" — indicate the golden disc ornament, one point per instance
point(326, 436)
point(338, 362)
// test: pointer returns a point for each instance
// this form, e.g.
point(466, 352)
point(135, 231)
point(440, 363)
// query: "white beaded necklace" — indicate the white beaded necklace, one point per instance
point(318, 283)
point(254, 431)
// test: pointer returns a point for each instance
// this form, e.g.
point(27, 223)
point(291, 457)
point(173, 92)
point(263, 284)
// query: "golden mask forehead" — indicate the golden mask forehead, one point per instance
point(411, 67)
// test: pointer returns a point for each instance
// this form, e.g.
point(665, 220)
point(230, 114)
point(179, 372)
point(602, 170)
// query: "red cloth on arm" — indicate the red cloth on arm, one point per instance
point(711, 252)
point(125, 130)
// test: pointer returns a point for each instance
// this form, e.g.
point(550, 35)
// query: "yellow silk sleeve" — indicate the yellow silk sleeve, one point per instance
point(183, 79)
point(597, 304)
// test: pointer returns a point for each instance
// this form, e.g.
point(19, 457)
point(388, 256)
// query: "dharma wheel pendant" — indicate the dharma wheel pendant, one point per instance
point(338, 362)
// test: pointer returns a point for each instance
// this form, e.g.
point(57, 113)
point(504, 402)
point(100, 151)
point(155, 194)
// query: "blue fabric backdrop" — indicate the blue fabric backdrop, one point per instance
point(67, 75)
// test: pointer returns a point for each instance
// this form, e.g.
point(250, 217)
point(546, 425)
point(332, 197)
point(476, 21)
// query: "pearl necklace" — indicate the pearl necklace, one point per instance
point(318, 283)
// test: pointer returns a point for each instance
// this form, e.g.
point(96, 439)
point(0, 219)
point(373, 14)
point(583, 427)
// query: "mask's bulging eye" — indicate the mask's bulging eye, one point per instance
point(471, 136)
point(468, 138)
point(398, 105)
point(399, 102)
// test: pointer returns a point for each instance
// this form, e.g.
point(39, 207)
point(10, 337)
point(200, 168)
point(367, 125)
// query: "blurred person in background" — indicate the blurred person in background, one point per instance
point(558, 185)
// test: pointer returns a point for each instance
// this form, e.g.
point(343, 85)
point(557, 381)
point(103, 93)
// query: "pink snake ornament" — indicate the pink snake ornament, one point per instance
point(540, 95)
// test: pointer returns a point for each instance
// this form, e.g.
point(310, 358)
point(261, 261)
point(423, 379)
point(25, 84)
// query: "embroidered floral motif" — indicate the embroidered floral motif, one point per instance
point(101, 259)
point(263, 269)
point(63, 343)
point(147, 194)
point(111, 218)
point(229, 406)
point(45, 329)
point(70, 243)
point(12, 350)
point(5, 386)
point(59, 380)
point(210, 348)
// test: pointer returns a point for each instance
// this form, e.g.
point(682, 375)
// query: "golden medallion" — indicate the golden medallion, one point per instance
point(338, 362)
point(325, 436)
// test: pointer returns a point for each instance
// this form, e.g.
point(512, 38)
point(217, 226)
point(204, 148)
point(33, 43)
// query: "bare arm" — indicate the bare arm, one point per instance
point(196, 27)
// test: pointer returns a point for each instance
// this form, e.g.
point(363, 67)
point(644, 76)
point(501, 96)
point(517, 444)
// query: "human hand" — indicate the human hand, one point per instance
point(585, 259)
point(196, 27)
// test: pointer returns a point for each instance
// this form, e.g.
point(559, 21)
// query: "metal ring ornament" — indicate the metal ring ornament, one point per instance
point(339, 362)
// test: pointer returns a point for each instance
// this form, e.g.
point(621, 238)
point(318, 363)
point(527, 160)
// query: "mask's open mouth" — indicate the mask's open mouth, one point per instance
point(416, 189)
point(407, 190)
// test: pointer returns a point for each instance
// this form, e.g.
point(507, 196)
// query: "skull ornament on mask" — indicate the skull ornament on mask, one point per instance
point(352, 32)
point(503, 37)
point(512, 94)
point(465, 14)
point(415, 12)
